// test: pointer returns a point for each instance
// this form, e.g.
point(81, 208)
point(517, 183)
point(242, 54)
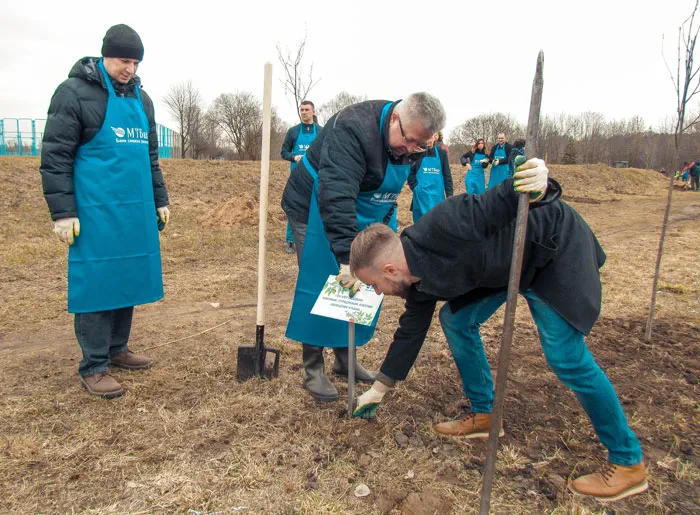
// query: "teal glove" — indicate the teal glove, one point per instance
point(367, 404)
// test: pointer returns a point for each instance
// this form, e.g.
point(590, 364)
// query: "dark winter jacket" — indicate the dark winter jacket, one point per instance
point(508, 146)
point(467, 158)
point(461, 250)
point(75, 116)
point(515, 152)
point(291, 137)
point(444, 164)
point(350, 155)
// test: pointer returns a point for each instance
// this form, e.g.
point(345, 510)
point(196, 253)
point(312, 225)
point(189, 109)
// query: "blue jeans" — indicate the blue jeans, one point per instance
point(102, 335)
point(567, 355)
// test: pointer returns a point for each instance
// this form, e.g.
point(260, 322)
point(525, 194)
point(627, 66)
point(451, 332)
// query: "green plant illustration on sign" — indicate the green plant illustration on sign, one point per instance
point(360, 317)
point(333, 288)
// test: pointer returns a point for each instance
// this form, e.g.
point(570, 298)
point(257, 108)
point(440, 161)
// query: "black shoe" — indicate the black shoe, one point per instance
point(340, 367)
point(290, 248)
point(315, 379)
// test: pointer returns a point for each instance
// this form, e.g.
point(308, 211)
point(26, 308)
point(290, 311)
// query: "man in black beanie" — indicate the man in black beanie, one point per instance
point(105, 191)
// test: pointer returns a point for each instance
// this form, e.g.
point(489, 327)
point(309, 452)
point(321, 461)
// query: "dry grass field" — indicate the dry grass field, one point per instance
point(189, 438)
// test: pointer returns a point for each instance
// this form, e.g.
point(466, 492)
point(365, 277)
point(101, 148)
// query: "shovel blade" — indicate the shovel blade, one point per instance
point(252, 362)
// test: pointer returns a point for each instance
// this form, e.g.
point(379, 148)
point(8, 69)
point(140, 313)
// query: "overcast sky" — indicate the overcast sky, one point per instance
point(600, 55)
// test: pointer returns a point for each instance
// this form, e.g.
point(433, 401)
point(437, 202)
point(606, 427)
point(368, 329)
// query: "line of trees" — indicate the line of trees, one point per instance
point(231, 127)
point(585, 138)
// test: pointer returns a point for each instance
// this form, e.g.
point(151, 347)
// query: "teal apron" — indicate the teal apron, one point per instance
point(115, 262)
point(318, 260)
point(474, 180)
point(430, 187)
point(499, 173)
point(301, 145)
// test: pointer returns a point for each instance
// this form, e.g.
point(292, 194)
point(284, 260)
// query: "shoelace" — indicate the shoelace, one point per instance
point(607, 471)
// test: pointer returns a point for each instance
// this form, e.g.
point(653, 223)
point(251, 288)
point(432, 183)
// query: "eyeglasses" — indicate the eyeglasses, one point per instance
point(417, 148)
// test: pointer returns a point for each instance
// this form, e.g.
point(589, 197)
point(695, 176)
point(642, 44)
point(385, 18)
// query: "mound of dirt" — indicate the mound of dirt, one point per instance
point(235, 211)
point(602, 181)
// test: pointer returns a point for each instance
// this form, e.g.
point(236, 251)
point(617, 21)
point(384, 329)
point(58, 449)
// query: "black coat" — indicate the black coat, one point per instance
point(504, 160)
point(461, 250)
point(75, 116)
point(290, 139)
point(350, 155)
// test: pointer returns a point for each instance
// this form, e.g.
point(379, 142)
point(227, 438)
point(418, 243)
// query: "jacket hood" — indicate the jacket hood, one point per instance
point(87, 69)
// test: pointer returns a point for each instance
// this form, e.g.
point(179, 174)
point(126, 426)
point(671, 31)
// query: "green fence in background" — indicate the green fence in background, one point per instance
point(22, 137)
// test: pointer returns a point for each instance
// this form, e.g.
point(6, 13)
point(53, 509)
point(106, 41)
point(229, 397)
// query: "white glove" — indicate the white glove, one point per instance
point(531, 177)
point(367, 403)
point(163, 214)
point(496, 161)
point(347, 280)
point(297, 159)
point(67, 229)
point(484, 163)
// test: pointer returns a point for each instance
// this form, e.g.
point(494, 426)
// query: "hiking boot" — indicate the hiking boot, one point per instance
point(290, 248)
point(612, 482)
point(315, 379)
point(131, 361)
point(102, 385)
point(474, 425)
point(340, 367)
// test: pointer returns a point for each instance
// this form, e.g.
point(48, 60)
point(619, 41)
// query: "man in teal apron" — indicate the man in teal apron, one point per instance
point(498, 158)
point(105, 191)
point(296, 142)
point(349, 179)
point(430, 180)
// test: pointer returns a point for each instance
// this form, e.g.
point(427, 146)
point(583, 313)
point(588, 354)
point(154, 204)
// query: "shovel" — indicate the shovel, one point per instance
point(516, 265)
point(351, 367)
point(259, 359)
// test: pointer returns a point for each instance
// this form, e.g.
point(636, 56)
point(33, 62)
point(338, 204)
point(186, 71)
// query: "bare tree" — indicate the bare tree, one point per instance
point(294, 81)
point(237, 115)
point(337, 104)
point(686, 83)
point(184, 104)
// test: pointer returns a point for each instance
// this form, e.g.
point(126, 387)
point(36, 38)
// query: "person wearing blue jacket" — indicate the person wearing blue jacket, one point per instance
point(430, 179)
point(296, 142)
point(498, 158)
point(517, 150)
point(476, 161)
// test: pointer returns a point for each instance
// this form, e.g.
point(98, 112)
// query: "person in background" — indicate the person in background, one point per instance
point(350, 178)
point(518, 149)
point(430, 179)
point(498, 158)
point(694, 173)
point(476, 161)
point(296, 142)
point(105, 191)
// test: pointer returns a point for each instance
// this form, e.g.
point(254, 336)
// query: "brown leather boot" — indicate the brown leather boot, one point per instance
point(131, 361)
point(102, 385)
point(474, 425)
point(612, 482)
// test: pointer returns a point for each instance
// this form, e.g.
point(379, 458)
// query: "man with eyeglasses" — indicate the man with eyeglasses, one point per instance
point(349, 178)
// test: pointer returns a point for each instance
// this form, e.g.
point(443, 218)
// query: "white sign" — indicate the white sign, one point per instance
point(336, 302)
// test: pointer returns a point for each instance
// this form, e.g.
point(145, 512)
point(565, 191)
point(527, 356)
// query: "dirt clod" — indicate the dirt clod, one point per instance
point(401, 439)
point(427, 502)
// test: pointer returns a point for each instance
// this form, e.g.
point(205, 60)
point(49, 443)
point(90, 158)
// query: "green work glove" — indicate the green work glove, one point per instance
point(530, 177)
point(67, 229)
point(367, 404)
point(347, 280)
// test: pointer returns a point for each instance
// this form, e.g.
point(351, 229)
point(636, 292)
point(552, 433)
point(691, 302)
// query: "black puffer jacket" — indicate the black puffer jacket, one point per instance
point(461, 250)
point(350, 155)
point(75, 116)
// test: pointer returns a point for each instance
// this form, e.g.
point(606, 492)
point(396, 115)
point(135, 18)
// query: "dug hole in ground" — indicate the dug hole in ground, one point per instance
point(189, 436)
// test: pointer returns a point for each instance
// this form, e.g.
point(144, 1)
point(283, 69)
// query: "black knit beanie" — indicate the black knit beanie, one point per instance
point(122, 41)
